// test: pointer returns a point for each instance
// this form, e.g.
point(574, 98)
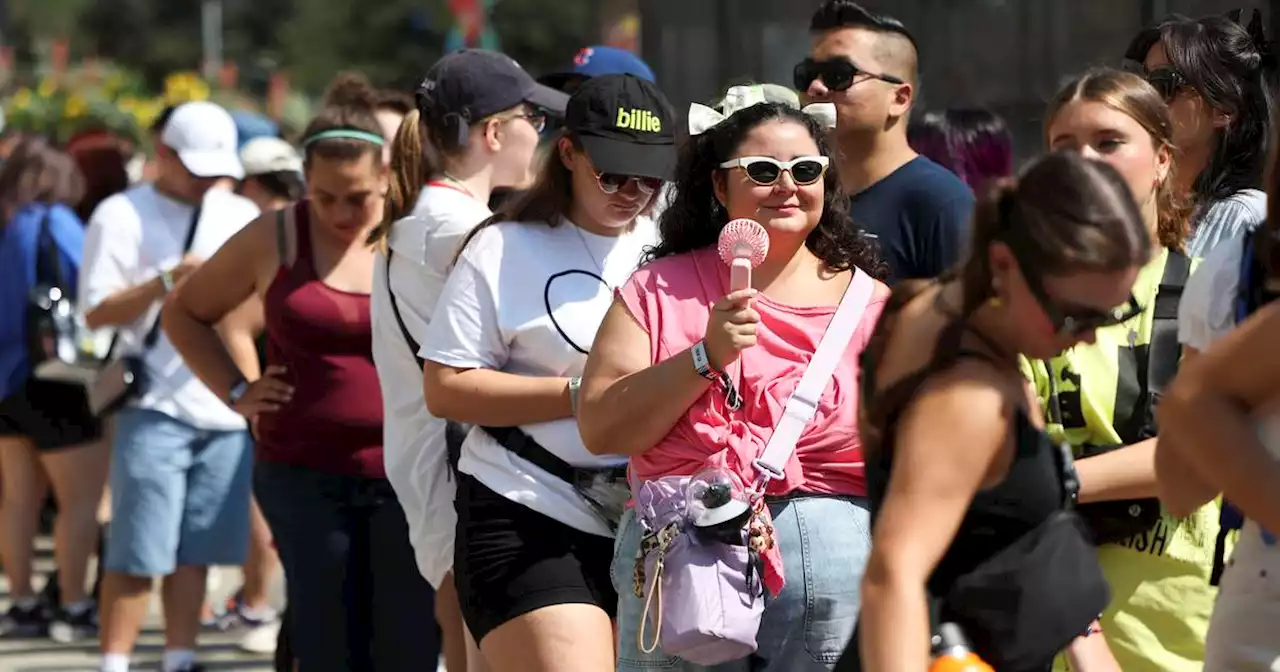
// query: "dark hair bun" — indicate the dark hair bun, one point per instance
point(351, 90)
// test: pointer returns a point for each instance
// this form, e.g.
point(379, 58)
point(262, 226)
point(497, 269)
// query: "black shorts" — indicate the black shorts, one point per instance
point(509, 560)
point(52, 415)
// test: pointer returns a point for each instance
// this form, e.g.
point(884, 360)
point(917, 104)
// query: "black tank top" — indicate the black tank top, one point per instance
point(1030, 492)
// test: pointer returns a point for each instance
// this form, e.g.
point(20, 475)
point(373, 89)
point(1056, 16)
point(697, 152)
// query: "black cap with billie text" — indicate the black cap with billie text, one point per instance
point(625, 125)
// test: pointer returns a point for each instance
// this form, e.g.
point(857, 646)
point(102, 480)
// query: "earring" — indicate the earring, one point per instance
point(995, 301)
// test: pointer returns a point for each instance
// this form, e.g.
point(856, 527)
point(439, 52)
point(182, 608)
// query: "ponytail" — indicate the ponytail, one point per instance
point(412, 164)
point(990, 216)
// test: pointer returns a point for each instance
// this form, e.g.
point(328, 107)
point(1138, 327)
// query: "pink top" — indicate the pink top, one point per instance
point(672, 298)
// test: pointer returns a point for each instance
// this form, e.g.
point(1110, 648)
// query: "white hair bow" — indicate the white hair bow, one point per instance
point(703, 118)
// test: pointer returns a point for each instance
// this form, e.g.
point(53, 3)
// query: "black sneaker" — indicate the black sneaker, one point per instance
point(31, 621)
point(74, 625)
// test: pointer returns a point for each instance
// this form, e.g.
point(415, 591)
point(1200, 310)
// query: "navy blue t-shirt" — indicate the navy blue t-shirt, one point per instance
point(919, 215)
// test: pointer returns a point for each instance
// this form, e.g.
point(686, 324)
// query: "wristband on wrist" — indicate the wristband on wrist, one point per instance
point(166, 279)
point(237, 391)
point(702, 362)
point(575, 384)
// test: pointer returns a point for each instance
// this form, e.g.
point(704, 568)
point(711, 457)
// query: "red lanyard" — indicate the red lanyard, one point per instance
point(450, 185)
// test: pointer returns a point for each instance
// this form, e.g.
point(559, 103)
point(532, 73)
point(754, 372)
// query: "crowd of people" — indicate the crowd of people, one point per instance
point(538, 374)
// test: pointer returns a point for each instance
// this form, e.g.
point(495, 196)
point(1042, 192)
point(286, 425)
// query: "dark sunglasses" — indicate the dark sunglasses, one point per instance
point(764, 171)
point(837, 74)
point(1166, 81)
point(612, 183)
point(1075, 320)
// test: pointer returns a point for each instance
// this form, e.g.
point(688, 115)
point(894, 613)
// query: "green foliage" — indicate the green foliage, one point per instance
point(391, 41)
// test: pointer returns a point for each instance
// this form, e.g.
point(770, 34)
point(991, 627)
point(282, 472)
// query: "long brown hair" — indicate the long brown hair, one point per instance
point(1067, 214)
point(1132, 96)
point(37, 172)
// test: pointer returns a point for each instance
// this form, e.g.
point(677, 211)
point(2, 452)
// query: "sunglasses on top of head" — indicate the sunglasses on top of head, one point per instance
point(837, 74)
point(1166, 80)
point(612, 183)
point(764, 171)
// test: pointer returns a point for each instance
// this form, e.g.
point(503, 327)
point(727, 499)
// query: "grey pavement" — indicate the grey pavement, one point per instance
point(218, 652)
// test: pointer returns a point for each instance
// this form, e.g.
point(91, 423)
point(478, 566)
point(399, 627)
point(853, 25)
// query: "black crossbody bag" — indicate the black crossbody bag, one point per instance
point(605, 490)
point(124, 378)
point(50, 313)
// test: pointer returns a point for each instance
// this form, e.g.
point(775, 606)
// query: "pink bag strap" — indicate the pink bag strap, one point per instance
point(803, 404)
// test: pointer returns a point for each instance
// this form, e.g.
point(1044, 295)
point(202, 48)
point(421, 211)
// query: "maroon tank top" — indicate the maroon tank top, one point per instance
point(325, 338)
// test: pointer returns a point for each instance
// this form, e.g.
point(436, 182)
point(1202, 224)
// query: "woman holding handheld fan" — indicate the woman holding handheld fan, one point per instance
point(690, 375)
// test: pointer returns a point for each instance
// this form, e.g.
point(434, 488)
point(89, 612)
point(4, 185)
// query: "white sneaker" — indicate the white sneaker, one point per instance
point(262, 639)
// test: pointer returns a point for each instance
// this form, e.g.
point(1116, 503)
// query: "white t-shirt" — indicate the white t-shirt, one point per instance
point(423, 246)
point(1207, 311)
point(494, 315)
point(133, 236)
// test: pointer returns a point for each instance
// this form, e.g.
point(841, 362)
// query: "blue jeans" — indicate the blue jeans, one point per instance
point(825, 542)
point(179, 495)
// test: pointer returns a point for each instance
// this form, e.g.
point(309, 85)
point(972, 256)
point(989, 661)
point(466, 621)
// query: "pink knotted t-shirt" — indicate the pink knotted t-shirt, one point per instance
point(671, 298)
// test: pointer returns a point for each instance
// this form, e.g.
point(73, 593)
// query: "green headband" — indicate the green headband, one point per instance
point(345, 134)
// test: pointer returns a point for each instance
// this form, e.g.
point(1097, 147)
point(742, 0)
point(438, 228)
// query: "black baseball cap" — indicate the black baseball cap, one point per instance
point(625, 125)
point(476, 83)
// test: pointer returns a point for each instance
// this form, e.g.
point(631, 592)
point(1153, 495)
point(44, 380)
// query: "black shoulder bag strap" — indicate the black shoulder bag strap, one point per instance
point(153, 335)
point(1164, 352)
point(455, 432)
point(49, 269)
point(395, 310)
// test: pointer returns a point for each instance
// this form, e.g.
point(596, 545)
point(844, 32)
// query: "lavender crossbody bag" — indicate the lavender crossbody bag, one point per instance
point(703, 587)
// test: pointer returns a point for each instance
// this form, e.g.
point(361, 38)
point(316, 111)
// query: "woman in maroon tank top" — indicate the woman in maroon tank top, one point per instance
point(320, 481)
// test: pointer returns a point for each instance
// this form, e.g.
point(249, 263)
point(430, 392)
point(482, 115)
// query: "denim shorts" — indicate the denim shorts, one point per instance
point(179, 495)
point(825, 542)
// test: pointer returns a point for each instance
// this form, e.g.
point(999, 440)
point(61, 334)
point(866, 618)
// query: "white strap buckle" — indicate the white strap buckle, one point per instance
point(800, 408)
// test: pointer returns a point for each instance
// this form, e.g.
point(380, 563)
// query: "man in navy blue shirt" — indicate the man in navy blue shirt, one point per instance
point(866, 64)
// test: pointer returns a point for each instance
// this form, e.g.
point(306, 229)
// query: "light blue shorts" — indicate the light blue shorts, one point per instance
point(825, 542)
point(179, 495)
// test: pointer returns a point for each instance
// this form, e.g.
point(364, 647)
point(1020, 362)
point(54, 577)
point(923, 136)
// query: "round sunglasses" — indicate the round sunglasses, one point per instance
point(764, 171)
point(837, 74)
point(612, 183)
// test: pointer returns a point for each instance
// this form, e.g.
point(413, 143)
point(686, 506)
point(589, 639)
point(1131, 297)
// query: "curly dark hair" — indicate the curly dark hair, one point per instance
point(695, 217)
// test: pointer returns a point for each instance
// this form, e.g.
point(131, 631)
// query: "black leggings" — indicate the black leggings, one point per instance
point(356, 600)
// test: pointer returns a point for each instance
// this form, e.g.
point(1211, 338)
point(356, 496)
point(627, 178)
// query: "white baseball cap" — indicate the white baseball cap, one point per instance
point(269, 155)
point(204, 137)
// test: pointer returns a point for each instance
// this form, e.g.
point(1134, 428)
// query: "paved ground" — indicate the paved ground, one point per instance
point(218, 652)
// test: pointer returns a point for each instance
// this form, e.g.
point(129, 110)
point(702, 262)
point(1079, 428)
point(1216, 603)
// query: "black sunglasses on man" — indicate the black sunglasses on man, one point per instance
point(837, 74)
